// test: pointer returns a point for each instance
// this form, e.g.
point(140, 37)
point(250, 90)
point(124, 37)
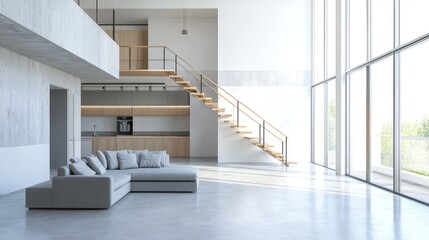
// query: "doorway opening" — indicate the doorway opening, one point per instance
point(57, 127)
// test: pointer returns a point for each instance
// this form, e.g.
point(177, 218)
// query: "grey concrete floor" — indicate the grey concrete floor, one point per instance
point(234, 201)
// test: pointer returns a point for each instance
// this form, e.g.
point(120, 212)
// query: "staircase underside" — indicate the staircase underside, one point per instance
point(207, 101)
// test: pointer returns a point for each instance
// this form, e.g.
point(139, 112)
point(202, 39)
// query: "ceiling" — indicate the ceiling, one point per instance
point(141, 16)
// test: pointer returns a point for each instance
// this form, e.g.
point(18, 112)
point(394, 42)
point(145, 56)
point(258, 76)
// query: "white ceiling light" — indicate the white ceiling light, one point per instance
point(184, 31)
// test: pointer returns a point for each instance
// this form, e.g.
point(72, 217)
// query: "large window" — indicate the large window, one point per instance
point(387, 118)
point(323, 90)
point(381, 117)
point(414, 138)
point(357, 123)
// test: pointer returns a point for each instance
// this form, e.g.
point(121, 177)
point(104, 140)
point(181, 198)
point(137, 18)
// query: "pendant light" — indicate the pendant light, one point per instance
point(184, 31)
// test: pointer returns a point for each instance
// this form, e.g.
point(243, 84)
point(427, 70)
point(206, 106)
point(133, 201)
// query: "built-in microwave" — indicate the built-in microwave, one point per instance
point(124, 125)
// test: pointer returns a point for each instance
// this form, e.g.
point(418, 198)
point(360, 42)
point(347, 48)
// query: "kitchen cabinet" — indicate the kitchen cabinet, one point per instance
point(103, 143)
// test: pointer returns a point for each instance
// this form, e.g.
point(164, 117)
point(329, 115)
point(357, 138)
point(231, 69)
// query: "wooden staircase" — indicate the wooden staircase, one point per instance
point(208, 102)
point(228, 118)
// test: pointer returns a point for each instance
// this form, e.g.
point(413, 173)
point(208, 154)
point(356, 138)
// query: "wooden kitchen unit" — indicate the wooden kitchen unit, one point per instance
point(176, 146)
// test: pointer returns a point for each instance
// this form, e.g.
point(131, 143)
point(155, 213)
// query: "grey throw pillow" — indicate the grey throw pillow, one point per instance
point(112, 158)
point(138, 152)
point(127, 156)
point(102, 158)
point(76, 160)
point(96, 165)
point(162, 154)
point(80, 168)
point(150, 160)
point(127, 164)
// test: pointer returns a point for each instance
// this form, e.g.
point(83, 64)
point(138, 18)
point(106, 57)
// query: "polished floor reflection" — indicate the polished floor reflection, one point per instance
point(234, 201)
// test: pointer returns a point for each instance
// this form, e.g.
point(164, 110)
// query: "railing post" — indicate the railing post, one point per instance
point(114, 23)
point(96, 11)
point(283, 147)
point(263, 134)
point(129, 58)
point(259, 133)
point(175, 63)
point(285, 154)
point(201, 83)
point(164, 57)
point(238, 113)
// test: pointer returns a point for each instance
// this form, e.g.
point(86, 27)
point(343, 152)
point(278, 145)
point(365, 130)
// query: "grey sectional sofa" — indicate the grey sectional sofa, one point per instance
point(67, 190)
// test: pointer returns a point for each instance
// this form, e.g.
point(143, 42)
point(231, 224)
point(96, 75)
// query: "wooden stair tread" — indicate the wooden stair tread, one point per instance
point(191, 89)
point(251, 138)
point(244, 132)
point(230, 121)
point(196, 94)
point(238, 126)
point(145, 73)
point(225, 115)
point(262, 145)
point(175, 76)
point(212, 104)
point(205, 100)
point(218, 109)
point(181, 83)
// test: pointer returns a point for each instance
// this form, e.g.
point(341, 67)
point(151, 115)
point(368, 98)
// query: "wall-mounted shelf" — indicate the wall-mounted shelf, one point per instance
point(94, 110)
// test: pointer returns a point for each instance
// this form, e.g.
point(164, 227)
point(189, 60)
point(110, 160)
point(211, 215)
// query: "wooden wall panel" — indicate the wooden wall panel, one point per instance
point(183, 147)
point(103, 143)
point(139, 56)
point(106, 111)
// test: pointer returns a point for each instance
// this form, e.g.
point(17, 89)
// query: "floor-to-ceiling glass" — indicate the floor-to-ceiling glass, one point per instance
point(381, 123)
point(358, 32)
point(330, 123)
point(381, 27)
point(414, 139)
point(357, 123)
point(323, 108)
point(413, 19)
point(319, 124)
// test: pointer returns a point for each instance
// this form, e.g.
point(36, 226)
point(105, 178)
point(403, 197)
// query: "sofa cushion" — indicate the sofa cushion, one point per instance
point(80, 168)
point(149, 160)
point(127, 156)
point(168, 174)
point(127, 164)
point(75, 160)
point(138, 152)
point(102, 158)
point(119, 179)
point(162, 154)
point(112, 158)
point(96, 165)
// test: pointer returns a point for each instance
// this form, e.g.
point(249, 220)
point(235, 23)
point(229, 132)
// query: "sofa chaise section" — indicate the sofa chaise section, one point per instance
point(166, 179)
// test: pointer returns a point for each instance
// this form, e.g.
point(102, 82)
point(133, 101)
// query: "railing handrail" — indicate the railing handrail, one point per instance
point(215, 84)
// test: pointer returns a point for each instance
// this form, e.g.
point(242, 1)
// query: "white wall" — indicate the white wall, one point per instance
point(238, 149)
point(24, 128)
point(288, 108)
point(252, 34)
point(199, 47)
